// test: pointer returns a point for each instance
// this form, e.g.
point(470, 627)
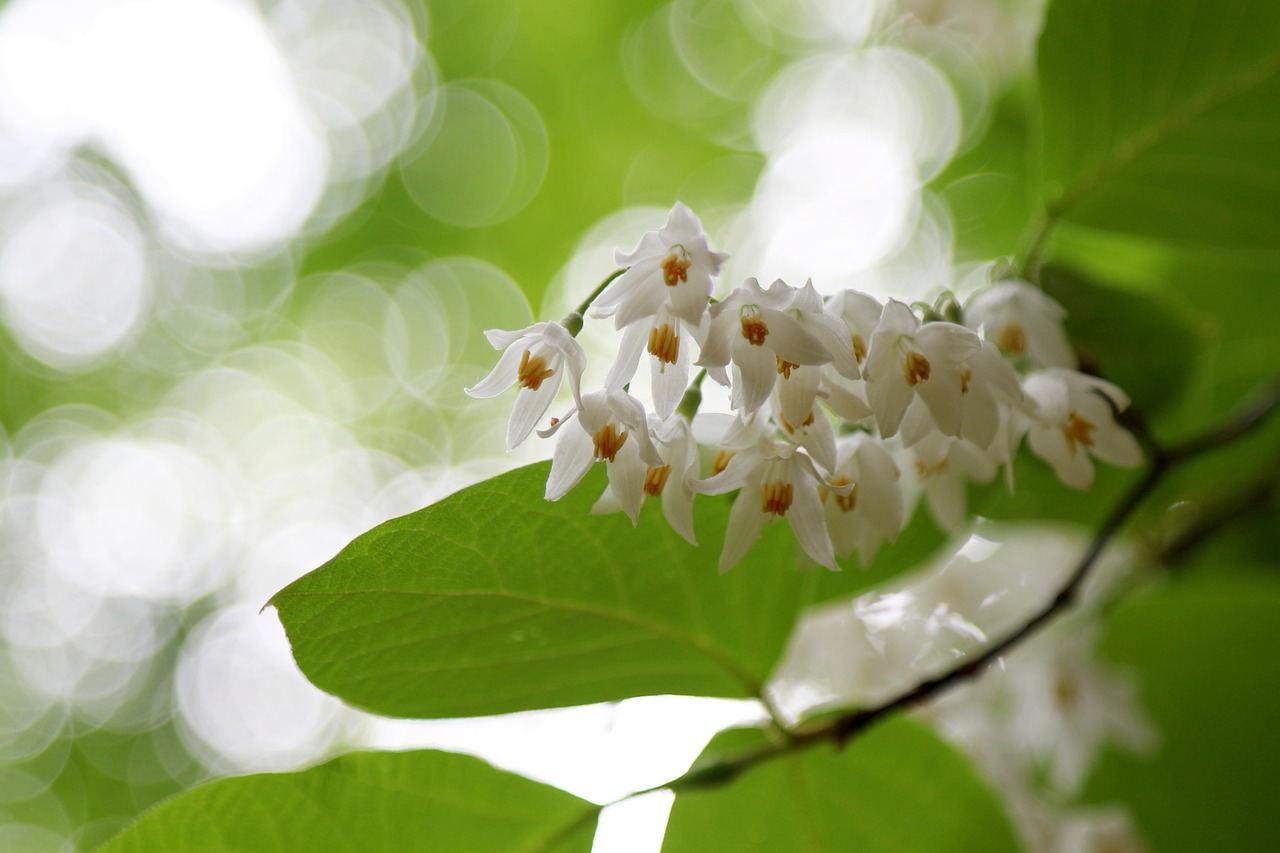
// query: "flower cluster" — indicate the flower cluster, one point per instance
point(846, 410)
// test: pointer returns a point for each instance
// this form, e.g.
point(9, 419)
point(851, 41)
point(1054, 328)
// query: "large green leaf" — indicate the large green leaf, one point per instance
point(896, 788)
point(495, 600)
point(394, 801)
point(1163, 118)
point(1206, 656)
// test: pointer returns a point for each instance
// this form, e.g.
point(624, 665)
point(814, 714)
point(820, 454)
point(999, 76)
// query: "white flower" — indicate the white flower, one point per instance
point(1097, 830)
point(873, 510)
point(943, 467)
point(811, 429)
point(861, 314)
point(672, 480)
point(1063, 707)
point(667, 339)
point(1074, 420)
point(537, 358)
point(1023, 322)
point(777, 480)
point(670, 267)
point(753, 329)
point(908, 359)
point(612, 427)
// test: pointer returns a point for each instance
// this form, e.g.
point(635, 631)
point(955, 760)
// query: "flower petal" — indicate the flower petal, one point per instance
point(626, 480)
point(745, 523)
point(530, 406)
point(569, 463)
point(503, 376)
point(629, 350)
point(809, 523)
point(789, 339)
point(755, 369)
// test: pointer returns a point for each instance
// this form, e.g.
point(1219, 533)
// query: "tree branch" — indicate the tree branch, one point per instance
point(841, 728)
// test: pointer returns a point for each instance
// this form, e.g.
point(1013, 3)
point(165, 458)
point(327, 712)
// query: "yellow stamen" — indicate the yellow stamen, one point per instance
point(808, 422)
point(607, 442)
point(785, 367)
point(1078, 432)
point(849, 501)
point(532, 371)
point(753, 326)
point(655, 479)
point(1012, 339)
point(721, 461)
point(965, 376)
point(924, 471)
point(775, 498)
point(859, 348)
point(1065, 692)
point(674, 270)
point(664, 344)
point(917, 368)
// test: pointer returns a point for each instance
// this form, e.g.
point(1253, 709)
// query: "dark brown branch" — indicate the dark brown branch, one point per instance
point(840, 729)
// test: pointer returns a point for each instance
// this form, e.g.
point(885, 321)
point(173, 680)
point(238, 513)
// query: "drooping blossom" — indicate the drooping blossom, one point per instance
point(536, 358)
point(1074, 421)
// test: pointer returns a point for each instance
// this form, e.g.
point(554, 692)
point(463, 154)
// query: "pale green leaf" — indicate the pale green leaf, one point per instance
point(365, 802)
point(495, 600)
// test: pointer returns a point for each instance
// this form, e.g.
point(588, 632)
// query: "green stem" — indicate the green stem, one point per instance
point(573, 320)
point(1033, 255)
point(692, 398)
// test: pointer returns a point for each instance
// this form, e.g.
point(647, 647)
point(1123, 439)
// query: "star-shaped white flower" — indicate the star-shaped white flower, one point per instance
point(909, 359)
point(777, 480)
point(1074, 420)
point(1023, 321)
point(873, 510)
point(943, 467)
point(1064, 706)
point(672, 480)
point(667, 339)
point(610, 427)
point(670, 267)
point(988, 388)
point(537, 359)
point(764, 337)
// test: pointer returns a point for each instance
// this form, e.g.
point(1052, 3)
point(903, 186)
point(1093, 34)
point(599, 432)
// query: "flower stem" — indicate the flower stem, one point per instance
point(573, 320)
point(692, 398)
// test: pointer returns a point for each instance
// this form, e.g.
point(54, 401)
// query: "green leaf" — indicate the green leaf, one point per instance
point(495, 600)
point(1206, 657)
point(896, 788)
point(1142, 342)
point(1163, 119)
point(395, 801)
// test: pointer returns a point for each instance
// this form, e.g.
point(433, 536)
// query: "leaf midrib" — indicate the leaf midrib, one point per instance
point(1123, 153)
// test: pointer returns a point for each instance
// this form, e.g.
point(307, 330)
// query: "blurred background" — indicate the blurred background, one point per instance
point(247, 251)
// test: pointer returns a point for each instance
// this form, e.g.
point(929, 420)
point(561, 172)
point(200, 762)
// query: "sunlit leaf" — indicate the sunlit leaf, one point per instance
point(495, 600)
point(896, 788)
point(1205, 655)
point(393, 801)
point(1163, 118)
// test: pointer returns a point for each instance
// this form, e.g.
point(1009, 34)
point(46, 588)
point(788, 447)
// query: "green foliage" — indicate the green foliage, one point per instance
point(495, 600)
point(1142, 342)
point(1163, 119)
point(896, 788)
point(392, 801)
point(1205, 655)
